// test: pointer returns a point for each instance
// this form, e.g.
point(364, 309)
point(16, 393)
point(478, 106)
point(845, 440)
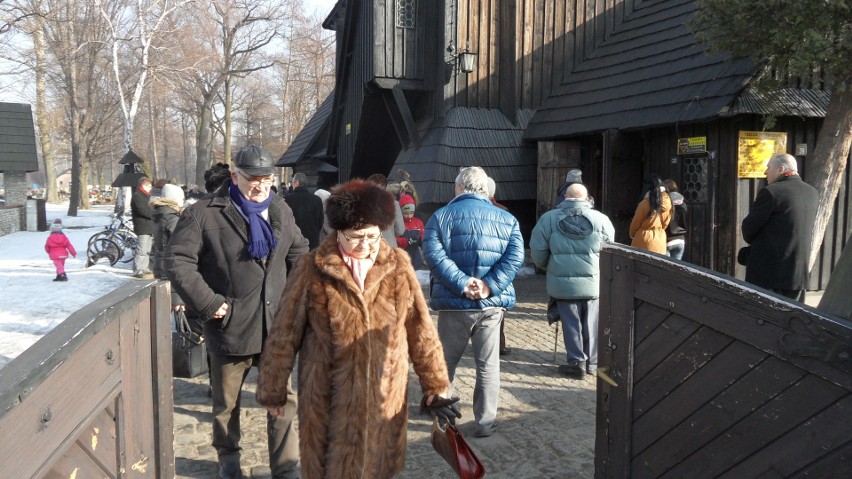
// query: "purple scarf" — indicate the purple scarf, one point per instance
point(261, 239)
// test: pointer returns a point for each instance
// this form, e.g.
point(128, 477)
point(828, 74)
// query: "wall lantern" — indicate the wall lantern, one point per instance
point(462, 61)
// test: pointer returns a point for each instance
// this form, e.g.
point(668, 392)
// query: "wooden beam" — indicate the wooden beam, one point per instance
point(407, 116)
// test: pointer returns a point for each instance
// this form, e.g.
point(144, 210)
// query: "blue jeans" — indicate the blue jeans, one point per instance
point(675, 251)
point(580, 330)
point(482, 329)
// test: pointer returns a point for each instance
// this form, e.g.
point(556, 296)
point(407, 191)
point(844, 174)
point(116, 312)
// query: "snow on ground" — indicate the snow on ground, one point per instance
point(31, 303)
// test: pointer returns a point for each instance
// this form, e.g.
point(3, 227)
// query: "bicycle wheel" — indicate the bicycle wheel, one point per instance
point(128, 244)
point(103, 248)
point(97, 236)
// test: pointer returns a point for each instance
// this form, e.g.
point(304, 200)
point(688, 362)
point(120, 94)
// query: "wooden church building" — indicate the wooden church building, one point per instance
point(529, 89)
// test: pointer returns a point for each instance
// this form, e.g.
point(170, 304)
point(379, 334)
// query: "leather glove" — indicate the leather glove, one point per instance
point(444, 409)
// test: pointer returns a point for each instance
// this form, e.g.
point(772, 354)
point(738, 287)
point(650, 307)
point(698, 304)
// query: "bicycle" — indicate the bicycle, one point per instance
point(116, 243)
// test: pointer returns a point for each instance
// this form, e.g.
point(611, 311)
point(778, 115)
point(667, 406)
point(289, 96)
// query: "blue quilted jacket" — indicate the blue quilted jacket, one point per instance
point(470, 237)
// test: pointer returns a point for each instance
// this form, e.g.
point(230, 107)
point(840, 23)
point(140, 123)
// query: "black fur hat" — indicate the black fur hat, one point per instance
point(359, 203)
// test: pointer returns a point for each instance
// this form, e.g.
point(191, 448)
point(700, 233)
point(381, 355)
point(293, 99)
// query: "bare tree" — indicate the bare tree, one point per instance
point(306, 73)
point(23, 17)
point(131, 38)
point(233, 36)
point(78, 54)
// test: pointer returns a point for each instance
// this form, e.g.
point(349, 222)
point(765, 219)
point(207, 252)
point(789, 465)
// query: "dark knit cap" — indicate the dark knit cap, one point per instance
point(359, 203)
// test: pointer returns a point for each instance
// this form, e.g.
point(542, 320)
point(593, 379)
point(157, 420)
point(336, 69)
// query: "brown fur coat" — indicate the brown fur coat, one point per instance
point(353, 350)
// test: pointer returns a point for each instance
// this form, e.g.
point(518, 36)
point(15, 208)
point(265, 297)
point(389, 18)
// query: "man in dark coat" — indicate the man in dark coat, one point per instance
point(307, 209)
point(779, 227)
point(228, 260)
point(143, 226)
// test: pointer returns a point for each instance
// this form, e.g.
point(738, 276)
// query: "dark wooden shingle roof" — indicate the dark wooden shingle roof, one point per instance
point(17, 138)
point(649, 71)
point(785, 102)
point(312, 140)
point(472, 137)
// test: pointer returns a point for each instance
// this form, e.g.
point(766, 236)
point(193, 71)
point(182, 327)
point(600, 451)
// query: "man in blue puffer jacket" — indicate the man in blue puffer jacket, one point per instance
point(473, 250)
point(566, 242)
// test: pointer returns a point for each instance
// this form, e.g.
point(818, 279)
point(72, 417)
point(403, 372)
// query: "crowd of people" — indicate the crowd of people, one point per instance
point(329, 276)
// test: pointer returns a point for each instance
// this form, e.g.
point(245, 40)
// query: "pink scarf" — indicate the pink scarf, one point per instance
point(358, 267)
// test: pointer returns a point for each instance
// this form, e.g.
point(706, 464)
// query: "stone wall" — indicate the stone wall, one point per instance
point(12, 219)
point(16, 188)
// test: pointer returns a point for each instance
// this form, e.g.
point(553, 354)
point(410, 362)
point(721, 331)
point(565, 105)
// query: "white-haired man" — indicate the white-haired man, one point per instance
point(778, 229)
point(473, 250)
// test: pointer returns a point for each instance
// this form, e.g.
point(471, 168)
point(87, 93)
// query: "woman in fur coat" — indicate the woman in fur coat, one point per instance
point(354, 310)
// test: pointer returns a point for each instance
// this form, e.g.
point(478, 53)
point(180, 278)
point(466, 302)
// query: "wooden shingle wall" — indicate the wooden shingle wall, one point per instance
point(17, 138)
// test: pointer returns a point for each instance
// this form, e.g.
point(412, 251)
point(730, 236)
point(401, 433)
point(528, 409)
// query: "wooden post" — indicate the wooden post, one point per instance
point(836, 299)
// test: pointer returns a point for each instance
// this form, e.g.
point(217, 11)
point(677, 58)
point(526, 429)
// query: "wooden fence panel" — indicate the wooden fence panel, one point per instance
point(82, 399)
point(726, 380)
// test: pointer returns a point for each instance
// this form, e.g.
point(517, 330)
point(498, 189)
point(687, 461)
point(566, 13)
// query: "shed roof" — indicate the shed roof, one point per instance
point(472, 137)
point(305, 144)
point(17, 138)
point(650, 70)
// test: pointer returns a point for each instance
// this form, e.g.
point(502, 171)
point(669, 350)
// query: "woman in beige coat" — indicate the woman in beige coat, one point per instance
point(354, 311)
point(648, 228)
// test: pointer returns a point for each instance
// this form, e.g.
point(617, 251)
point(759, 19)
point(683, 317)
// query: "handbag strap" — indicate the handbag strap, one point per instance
point(182, 327)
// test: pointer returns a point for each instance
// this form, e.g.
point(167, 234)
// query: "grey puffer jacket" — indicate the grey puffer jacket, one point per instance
point(566, 242)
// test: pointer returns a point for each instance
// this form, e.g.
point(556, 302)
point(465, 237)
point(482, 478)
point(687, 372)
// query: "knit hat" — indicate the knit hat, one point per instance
point(173, 193)
point(359, 203)
point(56, 226)
point(574, 176)
point(406, 203)
point(323, 194)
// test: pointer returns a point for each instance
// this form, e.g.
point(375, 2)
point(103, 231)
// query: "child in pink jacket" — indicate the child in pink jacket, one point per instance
point(58, 246)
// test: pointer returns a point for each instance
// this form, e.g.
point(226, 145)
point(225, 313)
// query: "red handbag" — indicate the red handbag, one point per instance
point(450, 444)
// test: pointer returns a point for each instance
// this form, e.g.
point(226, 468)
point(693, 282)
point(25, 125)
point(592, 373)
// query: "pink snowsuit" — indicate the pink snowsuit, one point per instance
point(58, 246)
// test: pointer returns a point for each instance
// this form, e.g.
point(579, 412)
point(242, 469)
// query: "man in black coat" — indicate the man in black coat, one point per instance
point(779, 228)
point(307, 209)
point(143, 225)
point(228, 260)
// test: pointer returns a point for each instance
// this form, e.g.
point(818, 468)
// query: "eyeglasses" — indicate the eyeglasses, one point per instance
point(253, 181)
point(360, 239)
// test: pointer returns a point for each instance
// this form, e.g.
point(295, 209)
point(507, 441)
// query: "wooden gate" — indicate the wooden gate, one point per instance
point(93, 397)
point(715, 379)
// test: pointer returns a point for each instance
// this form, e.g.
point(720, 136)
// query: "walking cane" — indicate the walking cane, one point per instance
point(555, 340)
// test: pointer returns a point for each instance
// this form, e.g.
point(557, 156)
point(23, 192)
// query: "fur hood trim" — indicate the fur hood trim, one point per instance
point(163, 201)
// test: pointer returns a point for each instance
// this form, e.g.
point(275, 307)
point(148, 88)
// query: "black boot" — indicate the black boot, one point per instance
point(64, 277)
point(58, 277)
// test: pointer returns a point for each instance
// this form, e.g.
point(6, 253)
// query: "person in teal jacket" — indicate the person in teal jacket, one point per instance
point(566, 242)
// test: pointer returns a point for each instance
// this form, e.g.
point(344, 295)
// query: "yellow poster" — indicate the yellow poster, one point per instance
point(754, 150)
